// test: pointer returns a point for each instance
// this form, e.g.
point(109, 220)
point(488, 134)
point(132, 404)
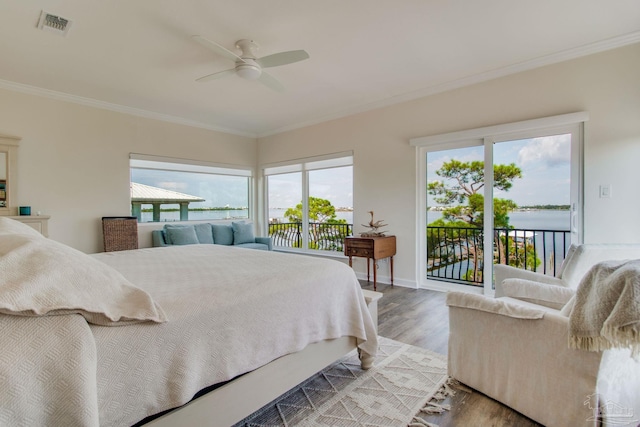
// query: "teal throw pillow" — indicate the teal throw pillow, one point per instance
point(242, 233)
point(185, 235)
point(167, 238)
point(222, 234)
point(204, 233)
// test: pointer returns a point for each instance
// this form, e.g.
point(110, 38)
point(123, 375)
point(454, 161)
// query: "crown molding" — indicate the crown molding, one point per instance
point(89, 102)
point(554, 58)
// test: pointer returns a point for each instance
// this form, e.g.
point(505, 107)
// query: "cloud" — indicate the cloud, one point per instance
point(549, 151)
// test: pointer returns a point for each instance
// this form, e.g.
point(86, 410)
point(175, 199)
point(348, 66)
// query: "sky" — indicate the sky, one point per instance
point(545, 163)
point(335, 185)
point(217, 190)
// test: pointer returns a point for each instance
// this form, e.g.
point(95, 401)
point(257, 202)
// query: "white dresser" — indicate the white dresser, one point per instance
point(39, 223)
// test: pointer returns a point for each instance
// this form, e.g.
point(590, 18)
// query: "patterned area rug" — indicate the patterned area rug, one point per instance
point(404, 380)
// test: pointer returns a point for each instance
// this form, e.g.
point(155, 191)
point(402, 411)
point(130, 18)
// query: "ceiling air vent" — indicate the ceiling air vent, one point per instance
point(54, 23)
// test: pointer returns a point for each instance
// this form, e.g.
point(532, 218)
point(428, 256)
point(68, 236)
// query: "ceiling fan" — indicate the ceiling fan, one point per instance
point(248, 66)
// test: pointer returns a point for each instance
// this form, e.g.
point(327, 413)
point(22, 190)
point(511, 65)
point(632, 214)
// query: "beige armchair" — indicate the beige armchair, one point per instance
point(515, 349)
point(579, 259)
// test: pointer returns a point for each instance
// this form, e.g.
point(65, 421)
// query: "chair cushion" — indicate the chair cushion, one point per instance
point(181, 235)
point(497, 306)
point(567, 260)
point(222, 234)
point(242, 233)
point(552, 296)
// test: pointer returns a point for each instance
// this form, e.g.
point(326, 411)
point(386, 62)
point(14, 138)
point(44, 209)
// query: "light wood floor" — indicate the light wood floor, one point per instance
point(420, 317)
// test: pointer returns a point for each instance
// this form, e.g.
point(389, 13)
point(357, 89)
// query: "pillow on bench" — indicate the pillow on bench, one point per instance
point(204, 233)
point(222, 234)
point(242, 233)
point(181, 235)
point(178, 234)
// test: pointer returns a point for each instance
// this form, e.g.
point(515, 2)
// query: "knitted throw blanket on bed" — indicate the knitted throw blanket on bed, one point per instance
point(606, 313)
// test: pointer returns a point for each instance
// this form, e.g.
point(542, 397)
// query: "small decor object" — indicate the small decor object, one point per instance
point(25, 210)
point(374, 228)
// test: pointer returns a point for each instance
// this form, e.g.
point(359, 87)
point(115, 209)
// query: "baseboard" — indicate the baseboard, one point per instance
point(387, 280)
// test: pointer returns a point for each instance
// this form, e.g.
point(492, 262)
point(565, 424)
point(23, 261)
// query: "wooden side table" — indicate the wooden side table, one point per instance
point(374, 248)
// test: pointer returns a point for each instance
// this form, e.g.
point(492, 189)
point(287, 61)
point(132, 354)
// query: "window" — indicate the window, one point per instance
point(164, 189)
point(310, 202)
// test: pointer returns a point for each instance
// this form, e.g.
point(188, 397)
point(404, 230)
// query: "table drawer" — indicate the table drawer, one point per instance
point(354, 243)
point(361, 252)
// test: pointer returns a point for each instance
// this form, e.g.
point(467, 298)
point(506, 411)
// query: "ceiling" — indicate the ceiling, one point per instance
point(138, 56)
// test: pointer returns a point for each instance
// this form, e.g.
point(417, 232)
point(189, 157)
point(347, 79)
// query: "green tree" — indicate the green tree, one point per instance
point(462, 182)
point(320, 210)
point(326, 231)
point(460, 191)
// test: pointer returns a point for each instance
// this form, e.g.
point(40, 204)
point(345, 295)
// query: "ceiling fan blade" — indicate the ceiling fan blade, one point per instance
point(217, 75)
point(282, 58)
point(215, 47)
point(271, 82)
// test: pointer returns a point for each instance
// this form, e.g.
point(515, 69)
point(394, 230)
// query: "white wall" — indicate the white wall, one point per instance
point(606, 85)
point(74, 160)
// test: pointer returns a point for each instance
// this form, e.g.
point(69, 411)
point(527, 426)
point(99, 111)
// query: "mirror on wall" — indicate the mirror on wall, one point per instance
point(8, 174)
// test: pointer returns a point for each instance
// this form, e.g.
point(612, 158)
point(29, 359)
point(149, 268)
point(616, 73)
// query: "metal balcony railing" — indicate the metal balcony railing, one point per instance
point(322, 236)
point(455, 254)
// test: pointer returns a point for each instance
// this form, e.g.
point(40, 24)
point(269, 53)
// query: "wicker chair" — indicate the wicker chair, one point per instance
point(120, 233)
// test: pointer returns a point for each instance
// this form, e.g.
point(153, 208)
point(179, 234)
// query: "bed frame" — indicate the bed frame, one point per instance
point(241, 397)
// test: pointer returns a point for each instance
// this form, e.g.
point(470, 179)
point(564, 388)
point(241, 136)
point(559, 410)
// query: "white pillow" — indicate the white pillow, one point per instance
point(551, 296)
point(42, 277)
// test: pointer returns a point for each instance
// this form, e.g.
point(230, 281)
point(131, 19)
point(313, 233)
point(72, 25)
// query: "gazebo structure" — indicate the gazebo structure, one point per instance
point(144, 195)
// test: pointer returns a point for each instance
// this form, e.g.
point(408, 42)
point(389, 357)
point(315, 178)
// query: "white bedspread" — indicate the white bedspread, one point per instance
point(47, 371)
point(230, 310)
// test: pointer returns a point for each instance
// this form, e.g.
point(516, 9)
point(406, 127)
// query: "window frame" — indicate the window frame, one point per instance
point(304, 166)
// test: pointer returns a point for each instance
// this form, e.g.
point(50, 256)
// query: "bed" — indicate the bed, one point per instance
point(180, 320)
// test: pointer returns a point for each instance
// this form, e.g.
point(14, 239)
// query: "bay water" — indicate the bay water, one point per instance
point(525, 219)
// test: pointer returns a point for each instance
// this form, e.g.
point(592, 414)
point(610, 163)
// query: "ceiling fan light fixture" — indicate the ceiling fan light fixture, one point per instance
point(247, 65)
point(249, 71)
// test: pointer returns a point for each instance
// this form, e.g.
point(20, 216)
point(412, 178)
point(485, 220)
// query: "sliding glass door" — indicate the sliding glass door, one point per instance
point(511, 199)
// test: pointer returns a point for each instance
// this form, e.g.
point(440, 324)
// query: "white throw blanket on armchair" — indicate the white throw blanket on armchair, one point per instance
point(606, 313)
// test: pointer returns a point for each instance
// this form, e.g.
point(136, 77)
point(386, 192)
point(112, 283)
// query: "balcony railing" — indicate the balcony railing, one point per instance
point(455, 254)
point(322, 236)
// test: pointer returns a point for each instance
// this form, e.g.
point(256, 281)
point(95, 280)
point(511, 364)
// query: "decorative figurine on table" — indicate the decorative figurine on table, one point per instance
point(374, 228)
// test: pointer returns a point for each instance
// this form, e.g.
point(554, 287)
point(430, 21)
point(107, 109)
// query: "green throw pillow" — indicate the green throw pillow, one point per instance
point(184, 235)
point(242, 233)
